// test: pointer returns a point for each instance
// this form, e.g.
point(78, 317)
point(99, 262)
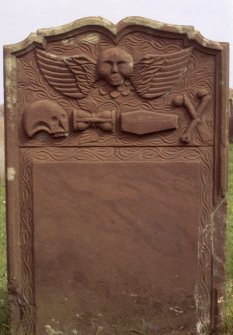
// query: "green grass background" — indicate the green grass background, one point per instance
point(228, 325)
point(229, 246)
point(4, 320)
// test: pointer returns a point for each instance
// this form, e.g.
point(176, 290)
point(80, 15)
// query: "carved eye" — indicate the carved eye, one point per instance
point(63, 116)
point(121, 62)
point(107, 65)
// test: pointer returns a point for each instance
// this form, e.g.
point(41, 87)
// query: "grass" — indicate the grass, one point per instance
point(229, 245)
point(228, 325)
point(4, 311)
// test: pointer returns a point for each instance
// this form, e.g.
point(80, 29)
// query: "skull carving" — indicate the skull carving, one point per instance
point(46, 116)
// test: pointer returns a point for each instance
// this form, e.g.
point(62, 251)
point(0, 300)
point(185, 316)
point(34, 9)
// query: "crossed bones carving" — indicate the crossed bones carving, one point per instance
point(195, 113)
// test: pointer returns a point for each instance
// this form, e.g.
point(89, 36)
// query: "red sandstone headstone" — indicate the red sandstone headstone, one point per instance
point(116, 167)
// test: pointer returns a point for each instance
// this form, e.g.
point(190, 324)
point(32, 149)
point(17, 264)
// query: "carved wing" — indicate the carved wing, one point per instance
point(155, 75)
point(72, 76)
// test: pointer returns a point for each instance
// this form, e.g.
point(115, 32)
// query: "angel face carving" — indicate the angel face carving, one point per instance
point(153, 76)
point(115, 65)
point(47, 116)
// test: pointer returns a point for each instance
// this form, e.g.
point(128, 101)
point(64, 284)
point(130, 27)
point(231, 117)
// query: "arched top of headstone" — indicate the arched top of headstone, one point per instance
point(115, 30)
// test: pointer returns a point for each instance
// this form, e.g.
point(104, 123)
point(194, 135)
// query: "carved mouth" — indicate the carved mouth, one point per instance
point(116, 78)
point(61, 135)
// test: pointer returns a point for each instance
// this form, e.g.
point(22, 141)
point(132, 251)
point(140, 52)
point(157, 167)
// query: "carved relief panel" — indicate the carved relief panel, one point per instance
point(117, 147)
point(91, 75)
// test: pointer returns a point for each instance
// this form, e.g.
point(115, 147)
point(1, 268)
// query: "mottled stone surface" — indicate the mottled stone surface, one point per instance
point(116, 168)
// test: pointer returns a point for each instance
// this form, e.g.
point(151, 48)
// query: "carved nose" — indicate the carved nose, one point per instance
point(62, 124)
point(114, 68)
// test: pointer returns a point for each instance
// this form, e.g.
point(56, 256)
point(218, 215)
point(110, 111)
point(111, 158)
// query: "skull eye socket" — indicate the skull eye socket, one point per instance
point(54, 119)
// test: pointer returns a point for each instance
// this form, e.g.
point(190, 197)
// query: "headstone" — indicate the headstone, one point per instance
point(116, 168)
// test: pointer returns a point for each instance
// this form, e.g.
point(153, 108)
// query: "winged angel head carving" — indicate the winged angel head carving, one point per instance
point(153, 76)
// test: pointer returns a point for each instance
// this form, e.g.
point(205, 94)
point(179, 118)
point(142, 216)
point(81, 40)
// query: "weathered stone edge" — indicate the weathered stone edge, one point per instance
point(38, 37)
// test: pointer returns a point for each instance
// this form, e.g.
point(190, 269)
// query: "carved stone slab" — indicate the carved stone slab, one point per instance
point(116, 177)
